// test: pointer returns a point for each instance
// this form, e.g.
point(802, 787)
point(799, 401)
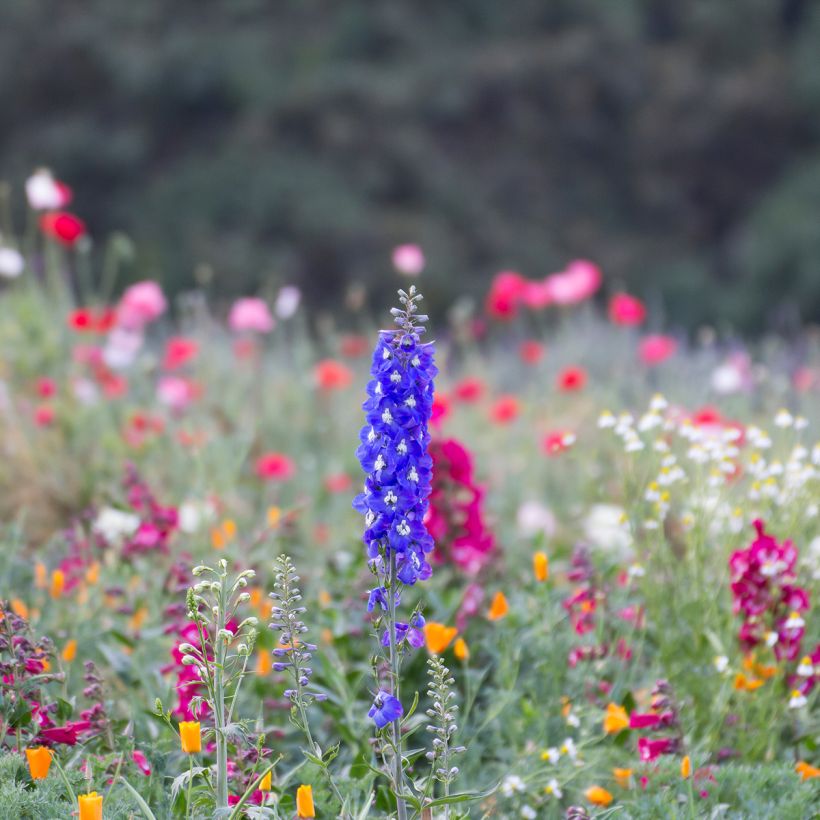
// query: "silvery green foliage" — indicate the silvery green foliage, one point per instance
point(442, 722)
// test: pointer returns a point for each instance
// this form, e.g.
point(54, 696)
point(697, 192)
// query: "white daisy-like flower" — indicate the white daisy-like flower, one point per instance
point(805, 668)
point(797, 700)
point(511, 784)
point(528, 813)
point(794, 621)
point(551, 755)
point(721, 663)
point(783, 418)
point(553, 789)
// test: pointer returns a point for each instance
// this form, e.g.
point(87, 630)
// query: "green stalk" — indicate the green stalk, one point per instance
point(398, 771)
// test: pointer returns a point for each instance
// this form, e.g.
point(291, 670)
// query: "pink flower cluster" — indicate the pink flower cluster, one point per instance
point(455, 517)
point(766, 595)
point(510, 291)
point(158, 523)
point(661, 722)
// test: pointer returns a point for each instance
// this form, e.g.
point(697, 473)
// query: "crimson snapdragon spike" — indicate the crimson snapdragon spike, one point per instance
point(767, 596)
point(394, 455)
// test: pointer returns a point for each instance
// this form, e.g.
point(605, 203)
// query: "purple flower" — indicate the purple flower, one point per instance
point(385, 709)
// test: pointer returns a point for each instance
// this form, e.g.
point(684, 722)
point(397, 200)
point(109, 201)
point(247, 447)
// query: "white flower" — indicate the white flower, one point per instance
point(121, 348)
point(606, 419)
point(569, 749)
point(552, 788)
point(783, 419)
point(115, 525)
point(658, 403)
point(636, 571)
point(606, 527)
point(794, 621)
point(797, 700)
point(528, 812)
point(721, 663)
point(552, 755)
point(194, 514)
point(806, 668)
point(573, 720)
point(287, 302)
point(534, 518)
point(11, 262)
point(727, 379)
point(44, 193)
point(771, 638)
point(511, 784)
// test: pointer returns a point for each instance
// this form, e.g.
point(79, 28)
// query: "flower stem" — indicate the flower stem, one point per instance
point(398, 772)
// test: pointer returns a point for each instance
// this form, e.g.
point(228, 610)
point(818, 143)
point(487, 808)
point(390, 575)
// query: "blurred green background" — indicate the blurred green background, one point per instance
point(675, 142)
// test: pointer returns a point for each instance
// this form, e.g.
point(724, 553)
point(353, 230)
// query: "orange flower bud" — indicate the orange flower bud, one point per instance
point(266, 782)
point(461, 650)
point(304, 802)
point(499, 607)
point(623, 777)
point(70, 651)
point(541, 566)
point(39, 762)
point(190, 736)
point(57, 583)
point(685, 767)
point(90, 806)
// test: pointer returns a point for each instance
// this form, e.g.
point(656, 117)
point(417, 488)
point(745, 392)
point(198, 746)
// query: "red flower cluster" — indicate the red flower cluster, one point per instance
point(455, 517)
point(766, 595)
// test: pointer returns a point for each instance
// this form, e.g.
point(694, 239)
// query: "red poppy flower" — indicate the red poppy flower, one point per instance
point(506, 294)
point(531, 351)
point(557, 442)
point(626, 310)
point(274, 467)
point(571, 379)
point(654, 350)
point(332, 375)
point(178, 352)
point(46, 388)
point(353, 346)
point(505, 409)
point(43, 415)
point(338, 483)
point(441, 408)
point(469, 390)
point(91, 320)
point(63, 227)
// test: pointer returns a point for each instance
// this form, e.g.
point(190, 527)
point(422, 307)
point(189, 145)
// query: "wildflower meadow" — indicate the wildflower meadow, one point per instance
point(536, 557)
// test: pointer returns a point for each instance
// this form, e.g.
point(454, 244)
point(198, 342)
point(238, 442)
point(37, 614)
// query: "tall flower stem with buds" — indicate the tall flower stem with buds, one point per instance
point(294, 655)
point(394, 455)
point(212, 605)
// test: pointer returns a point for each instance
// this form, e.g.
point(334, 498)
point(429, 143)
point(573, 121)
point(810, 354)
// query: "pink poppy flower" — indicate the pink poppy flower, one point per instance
point(408, 259)
point(142, 303)
point(655, 349)
point(626, 310)
point(250, 314)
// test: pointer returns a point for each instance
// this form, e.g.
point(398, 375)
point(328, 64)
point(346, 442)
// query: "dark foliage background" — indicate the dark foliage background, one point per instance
point(676, 142)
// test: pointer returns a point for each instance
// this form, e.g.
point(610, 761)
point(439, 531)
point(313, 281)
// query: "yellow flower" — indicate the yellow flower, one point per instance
point(685, 767)
point(90, 806)
point(438, 636)
point(57, 583)
point(499, 607)
point(266, 782)
point(39, 761)
point(190, 736)
point(806, 770)
point(461, 650)
point(598, 796)
point(70, 651)
point(623, 777)
point(541, 566)
point(304, 802)
point(616, 719)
